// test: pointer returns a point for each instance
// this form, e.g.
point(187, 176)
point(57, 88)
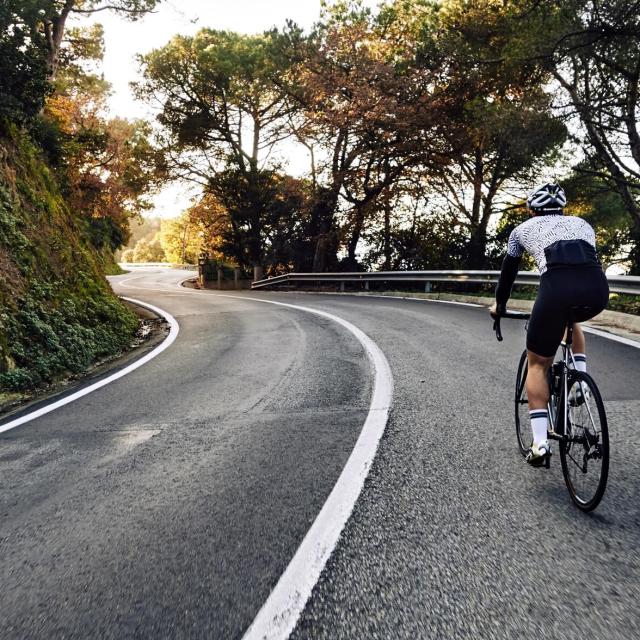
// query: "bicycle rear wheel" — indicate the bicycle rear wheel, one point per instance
point(523, 428)
point(584, 452)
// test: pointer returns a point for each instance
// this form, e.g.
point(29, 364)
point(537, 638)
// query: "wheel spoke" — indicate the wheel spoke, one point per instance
point(584, 453)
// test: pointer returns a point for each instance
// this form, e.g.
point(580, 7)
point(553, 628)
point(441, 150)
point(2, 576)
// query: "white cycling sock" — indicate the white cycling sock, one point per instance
point(581, 362)
point(539, 423)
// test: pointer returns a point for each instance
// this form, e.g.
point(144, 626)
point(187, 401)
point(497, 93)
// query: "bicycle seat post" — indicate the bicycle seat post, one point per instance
point(569, 338)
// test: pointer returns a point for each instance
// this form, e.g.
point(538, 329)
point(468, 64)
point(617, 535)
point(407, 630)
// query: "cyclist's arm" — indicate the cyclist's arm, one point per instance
point(510, 266)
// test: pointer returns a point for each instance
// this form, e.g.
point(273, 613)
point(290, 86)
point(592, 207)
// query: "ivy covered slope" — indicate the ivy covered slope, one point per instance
point(58, 314)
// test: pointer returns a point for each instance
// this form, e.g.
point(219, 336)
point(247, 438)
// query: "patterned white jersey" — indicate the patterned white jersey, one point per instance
point(537, 233)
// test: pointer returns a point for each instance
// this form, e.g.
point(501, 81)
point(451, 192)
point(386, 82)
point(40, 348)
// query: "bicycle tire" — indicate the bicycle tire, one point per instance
point(585, 441)
point(523, 428)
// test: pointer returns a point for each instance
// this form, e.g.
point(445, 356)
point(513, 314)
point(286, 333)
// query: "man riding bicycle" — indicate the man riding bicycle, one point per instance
point(571, 281)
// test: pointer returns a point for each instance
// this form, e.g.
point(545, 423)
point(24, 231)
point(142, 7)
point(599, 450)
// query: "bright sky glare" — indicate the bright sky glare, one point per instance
point(124, 40)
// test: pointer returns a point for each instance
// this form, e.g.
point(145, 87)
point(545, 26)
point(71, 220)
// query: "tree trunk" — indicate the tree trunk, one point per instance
point(634, 254)
point(322, 228)
point(356, 232)
point(477, 248)
point(54, 28)
point(386, 247)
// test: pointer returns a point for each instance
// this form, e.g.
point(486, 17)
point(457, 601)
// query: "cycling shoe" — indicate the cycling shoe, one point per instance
point(539, 455)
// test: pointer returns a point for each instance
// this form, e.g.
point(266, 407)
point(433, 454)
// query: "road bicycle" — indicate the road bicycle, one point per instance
point(577, 421)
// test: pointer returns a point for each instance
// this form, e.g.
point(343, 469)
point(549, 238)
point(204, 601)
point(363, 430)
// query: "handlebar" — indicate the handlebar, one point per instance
point(518, 315)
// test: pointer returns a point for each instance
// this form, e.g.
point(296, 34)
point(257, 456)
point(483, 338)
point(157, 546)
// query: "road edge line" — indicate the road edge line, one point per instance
point(611, 336)
point(586, 327)
point(281, 611)
point(165, 344)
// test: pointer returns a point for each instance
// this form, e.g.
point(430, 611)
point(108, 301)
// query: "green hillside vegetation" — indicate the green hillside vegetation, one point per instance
point(58, 315)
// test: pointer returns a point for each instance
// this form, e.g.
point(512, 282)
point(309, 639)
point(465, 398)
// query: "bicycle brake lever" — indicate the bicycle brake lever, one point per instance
point(496, 328)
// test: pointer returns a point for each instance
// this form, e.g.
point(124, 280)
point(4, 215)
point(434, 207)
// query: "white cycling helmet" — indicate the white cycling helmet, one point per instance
point(547, 197)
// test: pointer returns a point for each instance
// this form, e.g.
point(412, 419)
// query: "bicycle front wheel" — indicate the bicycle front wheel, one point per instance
point(584, 451)
point(523, 428)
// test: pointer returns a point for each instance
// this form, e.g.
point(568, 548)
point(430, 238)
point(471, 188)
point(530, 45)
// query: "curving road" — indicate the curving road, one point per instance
point(168, 503)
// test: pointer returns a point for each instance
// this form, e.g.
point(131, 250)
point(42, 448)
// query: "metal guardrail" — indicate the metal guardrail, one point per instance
point(617, 284)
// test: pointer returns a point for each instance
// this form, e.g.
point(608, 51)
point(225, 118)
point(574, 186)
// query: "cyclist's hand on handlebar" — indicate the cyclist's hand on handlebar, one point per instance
point(496, 310)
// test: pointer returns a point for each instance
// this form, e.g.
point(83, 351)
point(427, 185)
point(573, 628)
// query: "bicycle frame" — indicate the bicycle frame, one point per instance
point(557, 426)
point(557, 429)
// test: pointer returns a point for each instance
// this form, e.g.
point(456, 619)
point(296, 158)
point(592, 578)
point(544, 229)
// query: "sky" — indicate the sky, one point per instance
point(124, 40)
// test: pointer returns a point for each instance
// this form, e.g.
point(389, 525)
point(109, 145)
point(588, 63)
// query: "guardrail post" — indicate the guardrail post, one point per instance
point(236, 277)
point(427, 287)
point(342, 286)
point(366, 285)
point(220, 276)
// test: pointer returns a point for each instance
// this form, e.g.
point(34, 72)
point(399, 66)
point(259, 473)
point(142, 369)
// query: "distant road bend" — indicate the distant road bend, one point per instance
point(169, 502)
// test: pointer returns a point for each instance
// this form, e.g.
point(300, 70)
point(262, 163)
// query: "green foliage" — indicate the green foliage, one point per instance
point(23, 73)
point(57, 313)
point(208, 83)
point(180, 240)
point(625, 304)
point(421, 242)
point(267, 215)
point(597, 201)
point(146, 251)
point(47, 341)
point(106, 232)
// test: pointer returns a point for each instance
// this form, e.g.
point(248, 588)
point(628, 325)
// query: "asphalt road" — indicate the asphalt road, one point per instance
point(168, 503)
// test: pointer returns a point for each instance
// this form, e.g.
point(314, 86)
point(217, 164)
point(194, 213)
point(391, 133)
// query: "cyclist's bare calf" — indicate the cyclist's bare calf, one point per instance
point(537, 381)
point(578, 342)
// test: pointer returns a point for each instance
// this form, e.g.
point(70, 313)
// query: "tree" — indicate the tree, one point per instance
point(509, 139)
point(414, 238)
point(107, 166)
point(23, 74)
point(180, 240)
point(371, 111)
point(52, 21)
point(598, 201)
point(214, 228)
point(506, 125)
point(34, 43)
point(222, 115)
point(146, 251)
point(596, 59)
point(592, 50)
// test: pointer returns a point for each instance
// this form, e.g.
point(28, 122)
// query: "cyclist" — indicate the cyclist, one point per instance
point(564, 250)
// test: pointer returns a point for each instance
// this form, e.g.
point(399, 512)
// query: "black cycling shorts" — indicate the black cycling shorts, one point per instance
point(562, 289)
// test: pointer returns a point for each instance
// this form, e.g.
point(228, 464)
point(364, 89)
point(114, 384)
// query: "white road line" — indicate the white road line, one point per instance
point(461, 304)
point(173, 333)
point(611, 336)
point(279, 614)
point(127, 286)
point(588, 328)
